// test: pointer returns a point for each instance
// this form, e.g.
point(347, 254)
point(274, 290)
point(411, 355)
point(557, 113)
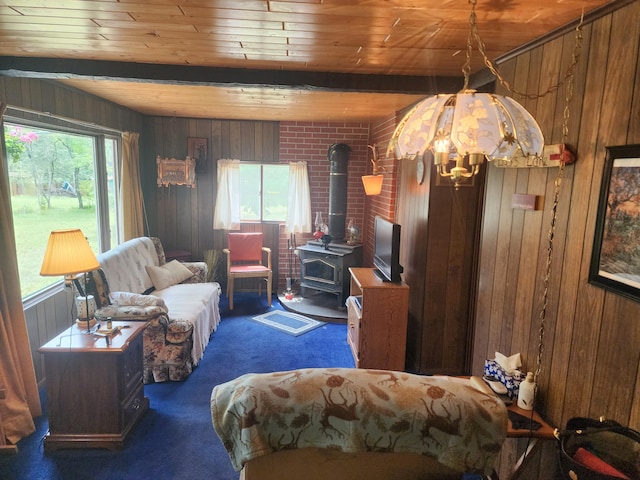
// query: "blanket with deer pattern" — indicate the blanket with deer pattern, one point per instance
point(358, 410)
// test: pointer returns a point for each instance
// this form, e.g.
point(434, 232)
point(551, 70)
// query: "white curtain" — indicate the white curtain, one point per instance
point(299, 207)
point(226, 215)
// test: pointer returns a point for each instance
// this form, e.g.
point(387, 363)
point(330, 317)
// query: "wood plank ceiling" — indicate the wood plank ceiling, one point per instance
point(310, 60)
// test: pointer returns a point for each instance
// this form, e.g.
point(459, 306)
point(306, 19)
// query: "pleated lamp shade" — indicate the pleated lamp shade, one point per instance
point(372, 184)
point(68, 253)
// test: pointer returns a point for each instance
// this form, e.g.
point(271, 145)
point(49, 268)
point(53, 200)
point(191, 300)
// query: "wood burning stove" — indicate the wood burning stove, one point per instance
point(325, 267)
point(327, 270)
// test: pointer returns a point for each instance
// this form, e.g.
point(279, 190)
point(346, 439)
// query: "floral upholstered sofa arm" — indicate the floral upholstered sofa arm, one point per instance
point(167, 343)
point(200, 272)
point(138, 307)
point(130, 312)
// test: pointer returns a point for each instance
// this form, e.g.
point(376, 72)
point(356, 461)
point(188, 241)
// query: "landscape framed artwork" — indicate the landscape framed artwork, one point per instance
point(615, 260)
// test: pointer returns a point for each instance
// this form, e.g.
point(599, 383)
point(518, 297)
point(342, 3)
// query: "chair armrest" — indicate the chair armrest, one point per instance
point(267, 250)
point(227, 252)
point(199, 270)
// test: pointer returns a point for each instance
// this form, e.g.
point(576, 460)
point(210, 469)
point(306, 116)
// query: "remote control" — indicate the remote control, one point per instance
point(496, 386)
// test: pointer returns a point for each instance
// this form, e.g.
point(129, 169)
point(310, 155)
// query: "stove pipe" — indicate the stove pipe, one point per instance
point(338, 155)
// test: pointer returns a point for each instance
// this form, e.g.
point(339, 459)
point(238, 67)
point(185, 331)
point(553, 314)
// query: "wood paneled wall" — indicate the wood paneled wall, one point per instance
point(48, 318)
point(591, 353)
point(181, 216)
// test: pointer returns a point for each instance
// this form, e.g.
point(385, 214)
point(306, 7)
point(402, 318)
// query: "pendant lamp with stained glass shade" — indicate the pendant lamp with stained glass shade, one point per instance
point(466, 128)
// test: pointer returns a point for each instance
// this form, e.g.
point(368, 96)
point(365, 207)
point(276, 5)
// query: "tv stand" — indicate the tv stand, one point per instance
point(381, 276)
point(377, 326)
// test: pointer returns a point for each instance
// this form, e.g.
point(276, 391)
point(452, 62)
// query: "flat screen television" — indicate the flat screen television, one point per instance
point(386, 250)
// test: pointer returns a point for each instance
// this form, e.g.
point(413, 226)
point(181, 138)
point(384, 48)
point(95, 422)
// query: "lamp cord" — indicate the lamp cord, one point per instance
point(567, 78)
point(570, 80)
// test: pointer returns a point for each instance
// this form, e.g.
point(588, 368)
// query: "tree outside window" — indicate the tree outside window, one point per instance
point(53, 181)
point(264, 192)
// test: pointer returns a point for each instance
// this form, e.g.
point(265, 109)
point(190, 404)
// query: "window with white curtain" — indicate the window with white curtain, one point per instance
point(262, 192)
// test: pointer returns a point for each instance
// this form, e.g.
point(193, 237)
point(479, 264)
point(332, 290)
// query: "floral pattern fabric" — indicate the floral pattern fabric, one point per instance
point(359, 410)
point(136, 299)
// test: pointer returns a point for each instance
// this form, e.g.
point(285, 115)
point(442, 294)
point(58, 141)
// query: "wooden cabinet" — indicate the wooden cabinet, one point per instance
point(95, 391)
point(377, 321)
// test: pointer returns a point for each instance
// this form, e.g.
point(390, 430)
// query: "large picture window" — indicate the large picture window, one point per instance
point(59, 178)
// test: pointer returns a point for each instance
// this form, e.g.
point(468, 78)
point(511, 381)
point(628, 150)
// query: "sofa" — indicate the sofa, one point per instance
point(342, 423)
point(136, 283)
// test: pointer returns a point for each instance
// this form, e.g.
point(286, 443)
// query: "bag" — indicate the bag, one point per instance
point(598, 450)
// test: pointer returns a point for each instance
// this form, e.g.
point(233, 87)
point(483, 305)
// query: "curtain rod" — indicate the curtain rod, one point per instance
point(71, 121)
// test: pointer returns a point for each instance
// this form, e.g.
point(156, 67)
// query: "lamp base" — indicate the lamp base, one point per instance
point(82, 323)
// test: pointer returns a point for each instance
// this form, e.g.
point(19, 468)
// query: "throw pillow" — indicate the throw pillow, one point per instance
point(136, 299)
point(168, 274)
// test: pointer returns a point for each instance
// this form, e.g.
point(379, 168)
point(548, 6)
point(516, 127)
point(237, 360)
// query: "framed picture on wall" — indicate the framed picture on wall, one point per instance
point(176, 172)
point(197, 149)
point(615, 259)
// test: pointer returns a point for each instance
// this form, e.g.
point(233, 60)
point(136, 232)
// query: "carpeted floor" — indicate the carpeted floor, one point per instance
point(175, 439)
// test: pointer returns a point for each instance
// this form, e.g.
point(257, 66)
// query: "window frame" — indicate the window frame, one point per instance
point(261, 220)
point(99, 135)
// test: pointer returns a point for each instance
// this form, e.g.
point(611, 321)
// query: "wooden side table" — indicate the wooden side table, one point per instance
point(95, 391)
point(545, 432)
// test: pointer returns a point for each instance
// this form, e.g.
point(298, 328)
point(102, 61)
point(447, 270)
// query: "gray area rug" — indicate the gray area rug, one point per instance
point(288, 322)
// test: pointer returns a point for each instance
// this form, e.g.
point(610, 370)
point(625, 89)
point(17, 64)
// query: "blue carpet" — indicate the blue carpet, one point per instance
point(175, 438)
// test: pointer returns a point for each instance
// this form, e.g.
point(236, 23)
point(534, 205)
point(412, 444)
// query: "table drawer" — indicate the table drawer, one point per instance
point(132, 405)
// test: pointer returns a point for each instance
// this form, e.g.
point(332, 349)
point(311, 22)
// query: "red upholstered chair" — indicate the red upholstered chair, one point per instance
point(245, 260)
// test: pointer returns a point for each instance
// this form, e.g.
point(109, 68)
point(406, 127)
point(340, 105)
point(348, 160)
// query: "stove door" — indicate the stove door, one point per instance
point(320, 270)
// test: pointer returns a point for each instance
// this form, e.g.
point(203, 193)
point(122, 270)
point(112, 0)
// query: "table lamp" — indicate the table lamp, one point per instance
point(68, 253)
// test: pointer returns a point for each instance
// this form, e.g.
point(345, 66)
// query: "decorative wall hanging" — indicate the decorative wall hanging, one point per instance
point(551, 156)
point(616, 244)
point(197, 149)
point(176, 172)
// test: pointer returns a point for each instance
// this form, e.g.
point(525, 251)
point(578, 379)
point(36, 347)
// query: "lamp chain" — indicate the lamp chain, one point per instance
point(556, 197)
point(494, 69)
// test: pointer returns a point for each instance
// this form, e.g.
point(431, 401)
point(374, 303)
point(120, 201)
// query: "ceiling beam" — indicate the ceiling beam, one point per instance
point(56, 69)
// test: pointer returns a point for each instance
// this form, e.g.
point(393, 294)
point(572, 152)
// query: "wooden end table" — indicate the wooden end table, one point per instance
point(95, 391)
